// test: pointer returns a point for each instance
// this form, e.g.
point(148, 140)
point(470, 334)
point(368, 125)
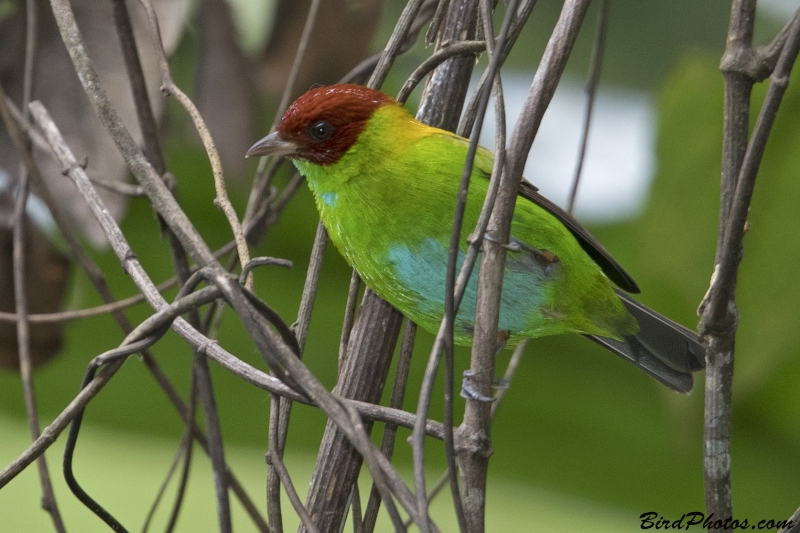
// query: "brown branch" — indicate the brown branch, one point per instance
point(169, 87)
point(440, 56)
point(276, 463)
point(740, 163)
point(396, 41)
point(20, 299)
point(362, 377)
point(280, 408)
point(592, 81)
point(475, 431)
point(390, 430)
point(349, 317)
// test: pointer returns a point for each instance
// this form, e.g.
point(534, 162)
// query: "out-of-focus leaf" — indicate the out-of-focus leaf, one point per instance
point(224, 87)
point(46, 275)
point(57, 86)
point(341, 39)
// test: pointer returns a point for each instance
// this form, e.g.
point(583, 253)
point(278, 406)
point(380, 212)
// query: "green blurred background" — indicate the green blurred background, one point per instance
point(582, 440)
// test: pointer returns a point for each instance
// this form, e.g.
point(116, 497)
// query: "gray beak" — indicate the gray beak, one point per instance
point(272, 144)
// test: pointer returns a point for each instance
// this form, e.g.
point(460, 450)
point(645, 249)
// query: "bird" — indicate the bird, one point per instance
point(385, 186)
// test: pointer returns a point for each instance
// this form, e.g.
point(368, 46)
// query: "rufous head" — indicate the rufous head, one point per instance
point(322, 124)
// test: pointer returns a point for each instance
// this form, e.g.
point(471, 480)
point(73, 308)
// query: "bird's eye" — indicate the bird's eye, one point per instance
point(321, 131)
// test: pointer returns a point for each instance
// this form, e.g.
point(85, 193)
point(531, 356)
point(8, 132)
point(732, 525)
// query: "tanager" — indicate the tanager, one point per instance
point(385, 186)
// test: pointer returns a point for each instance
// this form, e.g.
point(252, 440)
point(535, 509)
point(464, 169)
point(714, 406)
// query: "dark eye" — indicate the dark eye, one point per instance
point(321, 131)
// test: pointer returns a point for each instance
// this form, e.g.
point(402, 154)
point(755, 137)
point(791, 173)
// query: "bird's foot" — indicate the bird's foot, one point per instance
point(513, 246)
point(469, 393)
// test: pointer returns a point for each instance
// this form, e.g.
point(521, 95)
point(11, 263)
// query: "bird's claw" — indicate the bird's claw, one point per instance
point(512, 246)
point(469, 393)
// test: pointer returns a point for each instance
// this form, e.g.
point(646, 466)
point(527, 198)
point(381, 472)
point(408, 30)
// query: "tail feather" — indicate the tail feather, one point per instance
point(665, 350)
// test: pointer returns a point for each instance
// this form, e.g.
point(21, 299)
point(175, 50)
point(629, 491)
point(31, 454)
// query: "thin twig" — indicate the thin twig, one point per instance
point(263, 175)
point(455, 288)
point(119, 187)
point(155, 156)
point(97, 278)
point(280, 408)
point(77, 314)
point(349, 317)
point(305, 37)
point(169, 87)
point(183, 452)
point(741, 161)
point(392, 48)
point(436, 22)
point(523, 12)
point(190, 434)
point(476, 427)
point(390, 430)
point(361, 72)
point(441, 55)
point(793, 525)
point(277, 463)
point(508, 376)
point(141, 98)
point(355, 503)
point(592, 81)
point(20, 298)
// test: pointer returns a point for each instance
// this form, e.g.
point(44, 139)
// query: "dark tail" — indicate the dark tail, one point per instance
point(665, 350)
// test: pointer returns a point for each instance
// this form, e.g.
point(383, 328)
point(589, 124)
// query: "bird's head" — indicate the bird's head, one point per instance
point(322, 124)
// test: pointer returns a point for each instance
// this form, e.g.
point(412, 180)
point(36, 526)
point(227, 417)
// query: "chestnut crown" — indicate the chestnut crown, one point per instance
point(325, 122)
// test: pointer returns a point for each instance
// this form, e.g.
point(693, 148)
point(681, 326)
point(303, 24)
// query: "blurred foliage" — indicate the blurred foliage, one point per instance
point(575, 419)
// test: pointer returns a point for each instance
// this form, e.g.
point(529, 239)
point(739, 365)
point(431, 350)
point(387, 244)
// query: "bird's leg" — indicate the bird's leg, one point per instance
point(513, 246)
point(468, 392)
point(544, 258)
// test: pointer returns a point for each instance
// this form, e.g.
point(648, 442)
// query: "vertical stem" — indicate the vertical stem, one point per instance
point(596, 64)
point(475, 432)
point(281, 408)
point(720, 353)
point(18, 258)
point(390, 430)
point(445, 110)
point(369, 353)
point(362, 378)
point(442, 102)
point(23, 346)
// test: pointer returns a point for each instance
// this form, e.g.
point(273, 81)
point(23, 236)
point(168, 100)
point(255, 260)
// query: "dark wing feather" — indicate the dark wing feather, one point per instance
point(588, 242)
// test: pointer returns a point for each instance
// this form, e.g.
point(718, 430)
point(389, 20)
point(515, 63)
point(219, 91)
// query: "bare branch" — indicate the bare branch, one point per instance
point(20, 298)
point(593, 80)
point(277, 463)
point(740, 163)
